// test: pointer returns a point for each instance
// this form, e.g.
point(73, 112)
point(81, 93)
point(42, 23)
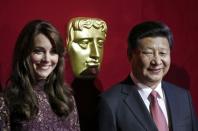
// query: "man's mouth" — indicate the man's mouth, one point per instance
point(155, 70)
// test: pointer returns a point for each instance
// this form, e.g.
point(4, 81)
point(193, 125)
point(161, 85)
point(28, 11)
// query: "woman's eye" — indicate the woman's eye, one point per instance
point(37, 51)
point(53, 51)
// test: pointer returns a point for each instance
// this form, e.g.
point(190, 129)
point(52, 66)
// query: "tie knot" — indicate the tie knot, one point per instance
point(154, 94)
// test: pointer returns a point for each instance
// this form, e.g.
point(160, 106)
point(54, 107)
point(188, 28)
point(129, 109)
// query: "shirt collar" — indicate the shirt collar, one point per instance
point(146, 90)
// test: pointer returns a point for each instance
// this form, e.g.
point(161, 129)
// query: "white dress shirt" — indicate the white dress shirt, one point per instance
point(145, 91)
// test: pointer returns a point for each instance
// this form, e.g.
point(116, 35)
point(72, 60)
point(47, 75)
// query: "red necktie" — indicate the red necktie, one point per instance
point(157, 113)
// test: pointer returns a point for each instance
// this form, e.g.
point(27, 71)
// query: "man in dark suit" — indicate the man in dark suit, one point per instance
point(131, 105)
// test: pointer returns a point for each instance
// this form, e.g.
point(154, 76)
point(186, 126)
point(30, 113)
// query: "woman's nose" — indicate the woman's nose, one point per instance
point(46, 57)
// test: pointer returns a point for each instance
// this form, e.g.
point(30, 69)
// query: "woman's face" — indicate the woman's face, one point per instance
point(44, 57)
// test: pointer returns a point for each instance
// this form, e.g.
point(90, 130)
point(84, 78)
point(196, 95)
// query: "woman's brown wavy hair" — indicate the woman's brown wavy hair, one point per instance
point(20, 96)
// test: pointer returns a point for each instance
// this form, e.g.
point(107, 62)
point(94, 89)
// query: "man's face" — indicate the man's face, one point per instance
point(86, 52)
point(151, 60)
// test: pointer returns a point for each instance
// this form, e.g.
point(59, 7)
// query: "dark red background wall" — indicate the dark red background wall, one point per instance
point(120, 16)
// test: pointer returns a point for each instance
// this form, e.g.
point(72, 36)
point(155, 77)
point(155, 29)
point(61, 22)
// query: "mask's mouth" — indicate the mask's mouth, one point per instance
point(90, 72)
point(92, 63)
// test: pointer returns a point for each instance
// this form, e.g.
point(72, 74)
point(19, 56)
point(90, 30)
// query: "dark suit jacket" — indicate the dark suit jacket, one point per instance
point(122, 109)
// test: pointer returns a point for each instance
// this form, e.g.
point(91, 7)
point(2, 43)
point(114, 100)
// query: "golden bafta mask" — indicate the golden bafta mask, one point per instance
point(85, 41)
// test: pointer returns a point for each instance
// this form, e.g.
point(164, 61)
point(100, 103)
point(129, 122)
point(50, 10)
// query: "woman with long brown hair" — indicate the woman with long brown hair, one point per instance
point(37, 96)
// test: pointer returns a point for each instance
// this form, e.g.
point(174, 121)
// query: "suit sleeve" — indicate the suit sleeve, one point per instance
point(105, 117)
point(193, 114)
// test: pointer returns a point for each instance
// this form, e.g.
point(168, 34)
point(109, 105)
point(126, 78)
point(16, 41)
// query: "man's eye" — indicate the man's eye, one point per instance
point(83, 43)
point(163, 53)
point(147, 52)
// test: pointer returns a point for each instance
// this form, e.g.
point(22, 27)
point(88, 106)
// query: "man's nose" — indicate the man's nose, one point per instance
point(156, 59)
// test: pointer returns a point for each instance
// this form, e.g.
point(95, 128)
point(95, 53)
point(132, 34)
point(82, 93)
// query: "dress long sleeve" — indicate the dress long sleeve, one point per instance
point(4, 115)
point(73, 119)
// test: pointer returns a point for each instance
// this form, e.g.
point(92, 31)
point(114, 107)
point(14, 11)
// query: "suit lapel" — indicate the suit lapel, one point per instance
point(136, 105)
point(171, 104)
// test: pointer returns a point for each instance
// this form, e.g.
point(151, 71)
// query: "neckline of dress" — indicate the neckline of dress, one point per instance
point(40, 85)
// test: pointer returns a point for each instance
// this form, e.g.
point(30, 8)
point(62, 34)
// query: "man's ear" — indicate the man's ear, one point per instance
point(129, 54)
